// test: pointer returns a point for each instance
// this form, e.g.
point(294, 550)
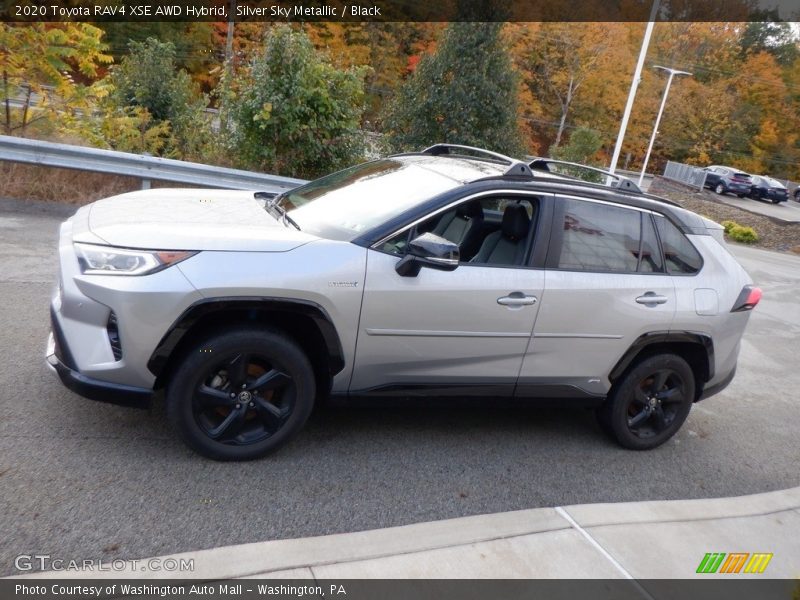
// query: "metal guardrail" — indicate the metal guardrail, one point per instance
point(146, 168)
point(686, 174)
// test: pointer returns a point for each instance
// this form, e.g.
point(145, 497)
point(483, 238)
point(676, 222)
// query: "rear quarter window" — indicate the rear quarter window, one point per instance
point(680, 256)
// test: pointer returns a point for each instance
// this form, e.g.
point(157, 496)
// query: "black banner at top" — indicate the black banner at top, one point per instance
point(397, 10)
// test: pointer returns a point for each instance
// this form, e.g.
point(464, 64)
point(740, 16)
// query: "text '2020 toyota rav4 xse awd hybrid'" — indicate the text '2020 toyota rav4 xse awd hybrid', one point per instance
point(449, 272)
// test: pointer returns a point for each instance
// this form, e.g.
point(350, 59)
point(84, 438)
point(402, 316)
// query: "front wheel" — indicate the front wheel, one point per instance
point(650, 403)
point(241, 394)
point(720, 189)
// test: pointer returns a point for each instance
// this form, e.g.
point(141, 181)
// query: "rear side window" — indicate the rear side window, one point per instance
point(605, 238)
point(680, 256)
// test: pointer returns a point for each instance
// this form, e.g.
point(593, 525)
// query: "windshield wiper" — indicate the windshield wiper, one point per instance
point(274, 203)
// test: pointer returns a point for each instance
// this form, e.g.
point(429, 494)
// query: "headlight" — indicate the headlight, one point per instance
point(107, 260)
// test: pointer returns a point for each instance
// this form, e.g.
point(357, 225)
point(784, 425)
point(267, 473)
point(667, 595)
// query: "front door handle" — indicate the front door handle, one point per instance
point(517, 299)
point(651, 298)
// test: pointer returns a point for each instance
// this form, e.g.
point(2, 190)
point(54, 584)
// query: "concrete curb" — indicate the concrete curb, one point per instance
point(588, 540)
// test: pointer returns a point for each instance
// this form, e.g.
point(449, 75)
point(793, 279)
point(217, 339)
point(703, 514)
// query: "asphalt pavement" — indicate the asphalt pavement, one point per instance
point(788, 211)
point(80, 479)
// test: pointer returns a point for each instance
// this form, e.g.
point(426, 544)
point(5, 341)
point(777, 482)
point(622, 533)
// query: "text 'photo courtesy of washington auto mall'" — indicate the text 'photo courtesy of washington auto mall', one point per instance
point(399, 299)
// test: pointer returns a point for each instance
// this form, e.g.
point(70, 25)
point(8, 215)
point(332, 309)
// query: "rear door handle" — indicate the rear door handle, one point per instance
point(517, 299)
point(652, 298)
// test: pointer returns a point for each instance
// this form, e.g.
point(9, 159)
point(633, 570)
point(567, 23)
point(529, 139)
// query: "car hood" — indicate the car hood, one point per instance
point(181, 219)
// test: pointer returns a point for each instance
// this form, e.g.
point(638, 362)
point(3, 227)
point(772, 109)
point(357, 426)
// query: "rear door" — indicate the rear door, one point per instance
point(605, 285)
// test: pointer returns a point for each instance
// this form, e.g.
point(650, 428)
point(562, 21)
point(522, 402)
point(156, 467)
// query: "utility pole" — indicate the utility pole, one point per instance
point(228, 68)
point(637, 75)
point(229, 38)
point(672, 73)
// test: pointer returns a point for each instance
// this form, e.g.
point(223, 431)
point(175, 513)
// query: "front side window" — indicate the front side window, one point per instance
point(491, 231)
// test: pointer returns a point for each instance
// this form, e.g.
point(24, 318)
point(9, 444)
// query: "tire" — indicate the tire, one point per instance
point(741, 195)
point(719, 189)
point(640, 414)
point(241, 394)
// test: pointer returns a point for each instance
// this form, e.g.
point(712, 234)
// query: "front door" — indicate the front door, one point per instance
point(462, 332)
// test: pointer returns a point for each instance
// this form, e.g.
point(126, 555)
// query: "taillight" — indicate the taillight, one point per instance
point(749, 297)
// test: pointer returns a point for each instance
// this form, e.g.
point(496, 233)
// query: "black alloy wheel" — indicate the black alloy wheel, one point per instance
point(655, 403)
point(649, 403)
point(243, 400)
point(241, 394)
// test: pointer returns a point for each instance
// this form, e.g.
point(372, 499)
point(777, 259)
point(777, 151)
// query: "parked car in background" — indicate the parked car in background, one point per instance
point(767, 188)
point(725, 180)
point(797, 194)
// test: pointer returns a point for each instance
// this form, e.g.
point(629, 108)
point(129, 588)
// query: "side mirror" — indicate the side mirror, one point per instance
point(428, 250)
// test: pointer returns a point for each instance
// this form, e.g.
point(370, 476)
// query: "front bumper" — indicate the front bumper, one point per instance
point(93, 389)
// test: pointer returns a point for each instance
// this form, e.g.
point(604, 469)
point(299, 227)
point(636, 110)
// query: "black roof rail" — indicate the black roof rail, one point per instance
point(516, 168)
point(619, 181)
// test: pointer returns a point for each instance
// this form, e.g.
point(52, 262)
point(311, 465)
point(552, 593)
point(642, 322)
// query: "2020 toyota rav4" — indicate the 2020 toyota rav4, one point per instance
point(448, 272)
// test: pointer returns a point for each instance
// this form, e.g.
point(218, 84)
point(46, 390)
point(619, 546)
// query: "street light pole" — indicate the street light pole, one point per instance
point(672, 73)
point(637, 75)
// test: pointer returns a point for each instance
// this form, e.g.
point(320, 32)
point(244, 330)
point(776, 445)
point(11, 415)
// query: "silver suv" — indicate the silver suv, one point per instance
point(448, 272)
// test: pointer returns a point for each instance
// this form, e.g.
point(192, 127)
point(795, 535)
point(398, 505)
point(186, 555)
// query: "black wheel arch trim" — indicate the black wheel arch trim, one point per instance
point(202, 308)
point(665, 337)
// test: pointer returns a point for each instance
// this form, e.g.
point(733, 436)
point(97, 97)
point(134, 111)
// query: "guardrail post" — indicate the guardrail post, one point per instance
point(146, 182)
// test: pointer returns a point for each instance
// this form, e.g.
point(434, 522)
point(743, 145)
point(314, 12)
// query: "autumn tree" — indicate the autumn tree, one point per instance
point(557, 60)
point(40, 65)
point(466, 93)
point(296, 114)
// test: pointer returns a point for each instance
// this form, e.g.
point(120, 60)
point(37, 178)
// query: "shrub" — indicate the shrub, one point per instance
point(149, 87)
point(728, 225)
point(296, 113)
point(743, 234)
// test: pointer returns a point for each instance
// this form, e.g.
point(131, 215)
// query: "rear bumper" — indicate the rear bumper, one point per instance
point(93, 389)
point(717, 387)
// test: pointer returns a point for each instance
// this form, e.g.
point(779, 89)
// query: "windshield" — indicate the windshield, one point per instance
point(342, 205)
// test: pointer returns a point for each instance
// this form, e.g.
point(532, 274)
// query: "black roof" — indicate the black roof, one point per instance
point(485, 172)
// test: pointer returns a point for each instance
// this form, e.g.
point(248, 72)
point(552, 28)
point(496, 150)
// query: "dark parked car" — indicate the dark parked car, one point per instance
point(727, 179)
point(797, 194)
point(767, 188)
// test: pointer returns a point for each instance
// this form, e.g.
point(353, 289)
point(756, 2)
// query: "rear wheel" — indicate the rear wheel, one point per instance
point(720, 189)
point(241, 394)
point(650, 403)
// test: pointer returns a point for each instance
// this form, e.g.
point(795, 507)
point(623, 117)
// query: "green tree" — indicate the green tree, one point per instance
point(149, 78)
point(772, 35)
point(296, 114)
point(196, 48)
point(583, 145)
point(465, 93)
